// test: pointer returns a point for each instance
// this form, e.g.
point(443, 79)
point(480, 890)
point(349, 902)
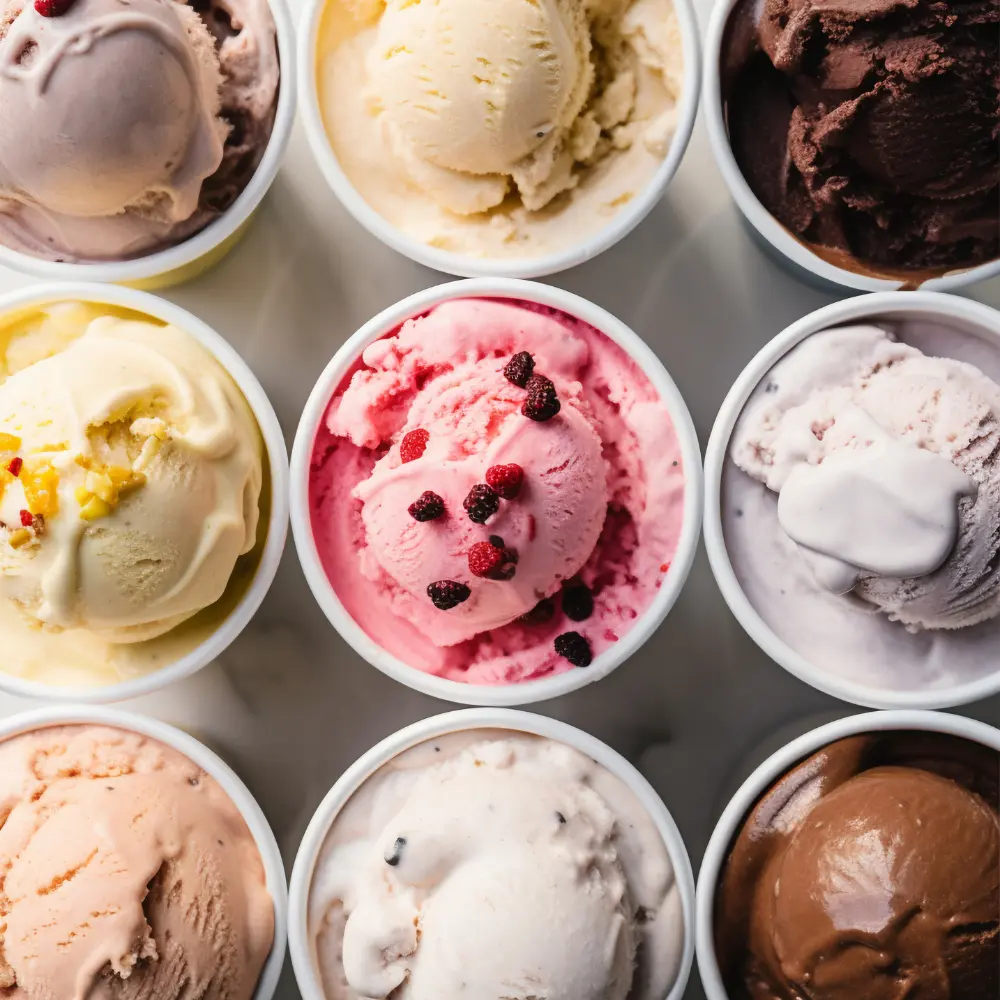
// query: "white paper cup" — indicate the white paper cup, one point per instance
point(194, 256)
point(526, 692)
point(767, 774)
point(956, 313)
point(213, 765)
point(300, 942)
point(789, 249)
point(277, 458)
point(465, 265)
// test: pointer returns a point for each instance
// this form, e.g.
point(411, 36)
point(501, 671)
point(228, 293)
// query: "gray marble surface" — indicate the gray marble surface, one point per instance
point(290, 705)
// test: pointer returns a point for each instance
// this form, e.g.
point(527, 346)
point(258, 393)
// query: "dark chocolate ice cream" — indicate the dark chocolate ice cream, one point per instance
point(871, 871)
point(871, 128)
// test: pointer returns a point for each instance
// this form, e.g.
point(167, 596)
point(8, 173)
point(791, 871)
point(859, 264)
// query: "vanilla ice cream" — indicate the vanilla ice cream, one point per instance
point(131, 480)
point(464, 122)
point(884, 462)
point(495, 864)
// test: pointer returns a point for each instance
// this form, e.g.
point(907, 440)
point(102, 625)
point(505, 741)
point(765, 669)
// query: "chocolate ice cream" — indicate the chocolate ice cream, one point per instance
point(870, 128)
point(871, 871)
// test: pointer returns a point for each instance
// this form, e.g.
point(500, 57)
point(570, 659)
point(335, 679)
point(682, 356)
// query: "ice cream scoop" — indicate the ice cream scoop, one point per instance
point(131, 476)
point(497, 491)
point(883, 460)
point(870, 871)
point(495, 865)
point(127, 873)
point(869, 130)
point(115, 120)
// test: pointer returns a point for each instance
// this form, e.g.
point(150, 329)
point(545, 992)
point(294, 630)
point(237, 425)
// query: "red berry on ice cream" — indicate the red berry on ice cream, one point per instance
point(27, 518)
point(427, 507)
point(484, 557)
point(575, 648)
point(14, 466)
point(481, 503)
point(413, 445)
point(518, 370)
point(447, 594)
point(542, 403)
point(506, 480)
point(53, 8)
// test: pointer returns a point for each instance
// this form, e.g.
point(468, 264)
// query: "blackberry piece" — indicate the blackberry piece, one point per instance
point(573, 647)
point(427, 507)
point(541, 614)
point(481, 503)
point(448, 594)
point(542, 403)
point(577, 602)
point(518, 370)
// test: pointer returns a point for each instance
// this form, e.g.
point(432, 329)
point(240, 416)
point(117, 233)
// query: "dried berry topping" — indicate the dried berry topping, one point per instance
point(518, 370)
point(413, 445)
point(53, 8)
point(542, 402)
point(577, 602)
point(447, 594)
point(426, 507)
point(14, 466)
point(574, 648)
point(27, 518)
point(505, 480)
point(38, 523)
point(492, 561)
point(481, 503)
point(497, 541)
point(542, 613)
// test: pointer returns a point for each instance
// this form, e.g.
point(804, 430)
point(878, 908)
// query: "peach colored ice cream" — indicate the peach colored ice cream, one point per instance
point(496, 492)
point(126, 873)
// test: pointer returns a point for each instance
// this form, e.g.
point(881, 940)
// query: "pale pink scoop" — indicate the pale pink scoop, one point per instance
point(601, 504)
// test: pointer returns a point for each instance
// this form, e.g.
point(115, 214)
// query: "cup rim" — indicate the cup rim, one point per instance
point(523, 692)
point(767, 773)
point(861, 307)
point(466, 265)
point(212, 764)
point(162, 262)
point(458, 721)
point(277, 527)
point(763, 221)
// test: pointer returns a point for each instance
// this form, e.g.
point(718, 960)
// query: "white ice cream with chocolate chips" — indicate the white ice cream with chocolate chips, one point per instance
point(884, 464)
point(494, 864)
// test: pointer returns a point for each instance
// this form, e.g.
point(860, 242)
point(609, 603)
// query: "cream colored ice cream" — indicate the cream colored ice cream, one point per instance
point(499, 128)
point(131, 481)
point(126, 873)
point(494, 864)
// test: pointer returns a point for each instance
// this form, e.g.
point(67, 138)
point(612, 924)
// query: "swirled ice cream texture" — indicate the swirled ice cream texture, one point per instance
point(495, 864)
point(127, 127)
point(883, 459)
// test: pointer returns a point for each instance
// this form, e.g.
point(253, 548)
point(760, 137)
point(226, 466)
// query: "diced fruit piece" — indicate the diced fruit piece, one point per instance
point(94, 508)
point(19, 537)
point(9, 442)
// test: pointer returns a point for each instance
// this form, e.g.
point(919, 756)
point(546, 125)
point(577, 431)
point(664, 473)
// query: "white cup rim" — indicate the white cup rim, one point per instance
point(277, 527)
point(466, 265)
point(459, 721)
point(523, 692)
point(162, 262)
point(212, 764)
point(761, 219)
point(773, 768)
point(861, 307)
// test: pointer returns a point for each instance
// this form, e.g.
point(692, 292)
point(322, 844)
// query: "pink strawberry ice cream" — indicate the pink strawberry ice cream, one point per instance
point(497, 492)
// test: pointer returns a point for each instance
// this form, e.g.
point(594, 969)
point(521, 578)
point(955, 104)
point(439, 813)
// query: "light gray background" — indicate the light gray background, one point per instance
point(290, 705)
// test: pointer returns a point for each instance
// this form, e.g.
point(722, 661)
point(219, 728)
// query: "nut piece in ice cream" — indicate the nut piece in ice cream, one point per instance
point(884, 460)
point(126, 873)
point(132, 475)
point(121, 123)
point(871, 872)
point(495, 865)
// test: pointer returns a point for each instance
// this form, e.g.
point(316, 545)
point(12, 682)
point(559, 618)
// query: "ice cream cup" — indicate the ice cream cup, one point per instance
point(465, 265)
point(213, 765)
point(794, 253)
point(525, 692)
point(957, 313)
point(300, 945)
point(201, 252)
point(765, 776)
point(276, 468)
